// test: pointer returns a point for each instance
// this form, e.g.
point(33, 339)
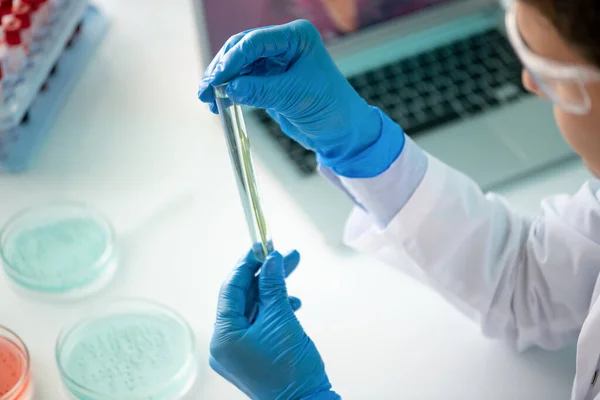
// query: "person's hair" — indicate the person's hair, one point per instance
point(577, 21)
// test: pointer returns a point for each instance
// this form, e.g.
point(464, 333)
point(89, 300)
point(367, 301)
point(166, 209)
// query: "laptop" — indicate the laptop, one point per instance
point(442, 69)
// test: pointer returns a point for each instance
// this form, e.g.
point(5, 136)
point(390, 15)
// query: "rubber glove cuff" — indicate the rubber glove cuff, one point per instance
point(372, 159)
point(329, 395)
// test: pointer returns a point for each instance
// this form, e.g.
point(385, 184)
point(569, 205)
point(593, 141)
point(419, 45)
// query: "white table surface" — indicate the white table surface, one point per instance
point(134, 142)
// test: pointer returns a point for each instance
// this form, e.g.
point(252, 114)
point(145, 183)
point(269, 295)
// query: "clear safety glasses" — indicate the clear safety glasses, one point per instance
point(563, 84)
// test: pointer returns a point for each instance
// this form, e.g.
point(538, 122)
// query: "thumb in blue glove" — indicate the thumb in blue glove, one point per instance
point(271, 358)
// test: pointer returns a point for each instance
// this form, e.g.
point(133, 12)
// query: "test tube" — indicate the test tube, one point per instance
point(25, 13)
point(2, 92)
point(44, 15)
point(5, 92)
point(5, 15)
point(15, 58)
point(5, 9)
point(243, 168)
point(40, 19)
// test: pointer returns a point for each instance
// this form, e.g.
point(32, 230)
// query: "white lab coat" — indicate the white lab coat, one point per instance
point(533, 281)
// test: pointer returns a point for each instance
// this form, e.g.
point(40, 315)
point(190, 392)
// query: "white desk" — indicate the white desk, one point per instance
point(134, 141)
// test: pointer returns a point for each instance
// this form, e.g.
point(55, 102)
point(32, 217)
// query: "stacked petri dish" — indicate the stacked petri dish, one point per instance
point(60, 251)
point(131, 350)
point(15, 377)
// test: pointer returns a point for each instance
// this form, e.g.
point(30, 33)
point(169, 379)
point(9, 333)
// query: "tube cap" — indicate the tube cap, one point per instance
point(12, 32)
point(5, 7)
point(22, 12)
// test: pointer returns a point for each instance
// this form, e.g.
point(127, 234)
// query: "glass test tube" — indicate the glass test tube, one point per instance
point(24, 13)
point(5, 9)
point(36, 22)
point(243, 168)
point(15, 58)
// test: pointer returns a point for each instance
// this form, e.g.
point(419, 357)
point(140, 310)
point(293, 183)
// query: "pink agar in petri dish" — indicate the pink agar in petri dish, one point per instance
point(15, 381)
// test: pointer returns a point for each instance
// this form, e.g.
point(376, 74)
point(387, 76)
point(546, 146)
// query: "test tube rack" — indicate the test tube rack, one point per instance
point(29, 114)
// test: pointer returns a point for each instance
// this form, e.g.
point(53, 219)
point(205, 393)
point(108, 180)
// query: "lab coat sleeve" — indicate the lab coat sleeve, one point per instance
point(384, 195)
point(528, 280)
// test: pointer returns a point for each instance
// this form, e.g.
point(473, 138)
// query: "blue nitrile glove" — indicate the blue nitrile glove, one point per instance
point(272, 357)
point(286, 69)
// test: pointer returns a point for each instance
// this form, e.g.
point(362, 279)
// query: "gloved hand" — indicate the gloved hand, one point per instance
point(271, 358)
point(286, 69)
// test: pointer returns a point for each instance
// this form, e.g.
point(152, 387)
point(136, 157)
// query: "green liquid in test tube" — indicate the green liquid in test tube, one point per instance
point(243, 168)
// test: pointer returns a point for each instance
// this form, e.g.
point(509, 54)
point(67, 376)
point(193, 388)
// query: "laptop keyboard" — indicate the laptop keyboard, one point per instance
point(431, 89)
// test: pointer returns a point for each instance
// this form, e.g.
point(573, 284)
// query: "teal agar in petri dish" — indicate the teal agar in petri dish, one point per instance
point(128, 354)
point(57, 249)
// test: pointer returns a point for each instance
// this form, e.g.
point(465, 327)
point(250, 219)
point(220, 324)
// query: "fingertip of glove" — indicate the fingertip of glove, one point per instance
point(231, 89)
point(275, 256)
point(295, 303)
point(273, 263)
point(238, 89)
point(294, 254)
point(206, 94)
point(201, 90)
point(292, 257)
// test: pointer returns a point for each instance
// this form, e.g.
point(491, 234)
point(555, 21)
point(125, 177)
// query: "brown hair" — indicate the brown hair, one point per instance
point(577, 21)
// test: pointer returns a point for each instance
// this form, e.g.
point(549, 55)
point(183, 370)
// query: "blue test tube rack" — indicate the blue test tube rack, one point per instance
point(27, 115)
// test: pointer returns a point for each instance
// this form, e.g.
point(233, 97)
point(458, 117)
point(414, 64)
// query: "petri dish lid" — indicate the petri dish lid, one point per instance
point(131, 350)
point(15, 382)
point(59, 248)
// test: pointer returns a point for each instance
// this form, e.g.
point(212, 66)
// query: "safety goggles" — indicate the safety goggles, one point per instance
point(563, 84)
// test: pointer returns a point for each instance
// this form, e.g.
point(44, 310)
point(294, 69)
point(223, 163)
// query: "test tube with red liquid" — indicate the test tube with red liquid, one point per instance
point(24, 13)
point(5, 12)
point(6, 7)
point(15, 58)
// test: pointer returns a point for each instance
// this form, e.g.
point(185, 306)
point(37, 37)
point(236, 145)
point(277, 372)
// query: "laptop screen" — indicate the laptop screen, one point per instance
point(333, 18)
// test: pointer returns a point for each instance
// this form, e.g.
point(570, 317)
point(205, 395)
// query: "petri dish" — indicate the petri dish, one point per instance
point(131, 350)
point(60, 250)
point(15, 376)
